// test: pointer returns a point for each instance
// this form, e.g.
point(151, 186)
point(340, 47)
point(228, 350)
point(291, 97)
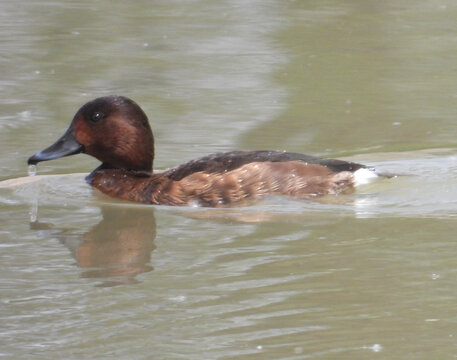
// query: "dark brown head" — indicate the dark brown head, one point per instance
point(112, 129)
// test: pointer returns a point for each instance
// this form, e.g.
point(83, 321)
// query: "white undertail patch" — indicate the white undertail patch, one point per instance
point(364, 176)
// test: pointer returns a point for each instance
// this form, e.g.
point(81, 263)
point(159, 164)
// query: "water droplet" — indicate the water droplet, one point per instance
point(33, 213)
point(31, 170)
point(376, 347)
point(179, 298)
point(25, 115)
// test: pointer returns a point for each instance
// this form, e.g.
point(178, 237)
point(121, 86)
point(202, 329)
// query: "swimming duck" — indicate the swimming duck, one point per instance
point(116, 131)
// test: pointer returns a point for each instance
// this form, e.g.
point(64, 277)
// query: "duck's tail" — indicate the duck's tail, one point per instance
point(367, 175)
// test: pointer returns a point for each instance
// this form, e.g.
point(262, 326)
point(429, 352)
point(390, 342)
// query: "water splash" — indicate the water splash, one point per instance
point(31, 170)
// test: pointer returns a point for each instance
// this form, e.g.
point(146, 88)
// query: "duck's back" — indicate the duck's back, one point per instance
point(223, 162)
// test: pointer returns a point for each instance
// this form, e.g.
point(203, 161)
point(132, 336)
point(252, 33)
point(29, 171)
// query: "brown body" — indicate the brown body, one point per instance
point(251, 181)
point(116, 131)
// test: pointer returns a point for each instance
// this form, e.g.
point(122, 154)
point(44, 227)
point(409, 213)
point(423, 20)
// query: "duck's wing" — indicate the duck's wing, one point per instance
point(221, 162)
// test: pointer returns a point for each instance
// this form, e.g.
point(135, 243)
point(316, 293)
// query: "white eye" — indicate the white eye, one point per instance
point(96, 117)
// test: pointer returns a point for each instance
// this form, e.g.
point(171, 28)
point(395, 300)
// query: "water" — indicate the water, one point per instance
point(359, 276)
point(31, 170)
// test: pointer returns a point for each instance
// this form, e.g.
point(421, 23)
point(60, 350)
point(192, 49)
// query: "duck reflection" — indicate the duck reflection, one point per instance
point(116, 249)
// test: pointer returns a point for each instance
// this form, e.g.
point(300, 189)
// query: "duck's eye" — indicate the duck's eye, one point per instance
point(96, 117)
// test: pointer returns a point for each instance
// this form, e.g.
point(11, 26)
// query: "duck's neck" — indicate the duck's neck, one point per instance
point(123, 184)
point(104, 166)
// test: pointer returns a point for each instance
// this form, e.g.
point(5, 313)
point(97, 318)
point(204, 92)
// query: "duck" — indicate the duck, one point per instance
point(116, 131)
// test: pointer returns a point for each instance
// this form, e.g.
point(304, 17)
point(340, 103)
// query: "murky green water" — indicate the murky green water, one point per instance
point(369, 275)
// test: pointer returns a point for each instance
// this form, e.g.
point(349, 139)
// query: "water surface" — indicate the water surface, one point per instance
point(364, 275)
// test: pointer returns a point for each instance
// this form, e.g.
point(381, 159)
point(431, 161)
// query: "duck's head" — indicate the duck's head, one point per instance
point(112, 129)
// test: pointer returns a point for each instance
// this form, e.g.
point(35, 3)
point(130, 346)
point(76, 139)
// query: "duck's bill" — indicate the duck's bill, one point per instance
point(67, 145)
